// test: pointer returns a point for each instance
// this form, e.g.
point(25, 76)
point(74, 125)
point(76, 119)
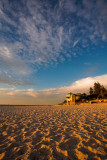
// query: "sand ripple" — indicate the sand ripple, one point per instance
point(53, 132)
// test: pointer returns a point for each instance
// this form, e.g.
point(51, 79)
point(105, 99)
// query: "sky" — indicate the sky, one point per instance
point(49, 48)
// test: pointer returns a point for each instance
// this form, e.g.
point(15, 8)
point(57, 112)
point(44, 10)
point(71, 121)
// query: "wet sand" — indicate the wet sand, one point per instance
point(53, 132)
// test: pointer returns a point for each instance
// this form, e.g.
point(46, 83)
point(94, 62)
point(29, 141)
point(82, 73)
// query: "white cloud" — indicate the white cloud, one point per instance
point(54, 95)
point(5, 53)
point(42, 33)
point(75, 42)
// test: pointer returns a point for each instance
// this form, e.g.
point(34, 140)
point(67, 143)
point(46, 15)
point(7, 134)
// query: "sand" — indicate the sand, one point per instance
point(53, 132)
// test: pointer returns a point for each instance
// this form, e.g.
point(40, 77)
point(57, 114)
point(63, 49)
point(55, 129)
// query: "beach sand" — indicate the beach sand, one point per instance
point(76, 132)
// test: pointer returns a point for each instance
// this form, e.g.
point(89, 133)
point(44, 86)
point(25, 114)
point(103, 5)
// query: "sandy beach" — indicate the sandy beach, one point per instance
point(53, 132)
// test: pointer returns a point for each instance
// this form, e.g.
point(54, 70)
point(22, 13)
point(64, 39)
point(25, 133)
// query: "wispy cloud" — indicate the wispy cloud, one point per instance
point(41, 32)
point(75, 42)
point(8, 60)
point(54, 95)
point(12, 68)
point(9, 80)
point(35, 33)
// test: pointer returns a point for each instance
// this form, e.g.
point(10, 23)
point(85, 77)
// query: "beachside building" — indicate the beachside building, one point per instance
point(70, 98)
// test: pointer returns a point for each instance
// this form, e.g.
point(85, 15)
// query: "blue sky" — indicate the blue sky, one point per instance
point(49, 45)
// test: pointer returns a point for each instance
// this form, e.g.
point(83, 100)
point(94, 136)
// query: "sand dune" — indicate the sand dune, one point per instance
point(53, 133)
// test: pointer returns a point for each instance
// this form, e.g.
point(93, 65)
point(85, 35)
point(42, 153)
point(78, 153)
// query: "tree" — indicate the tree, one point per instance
point(103, 89)
point(97, 88)
point(91, 91)
point(101, 94)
